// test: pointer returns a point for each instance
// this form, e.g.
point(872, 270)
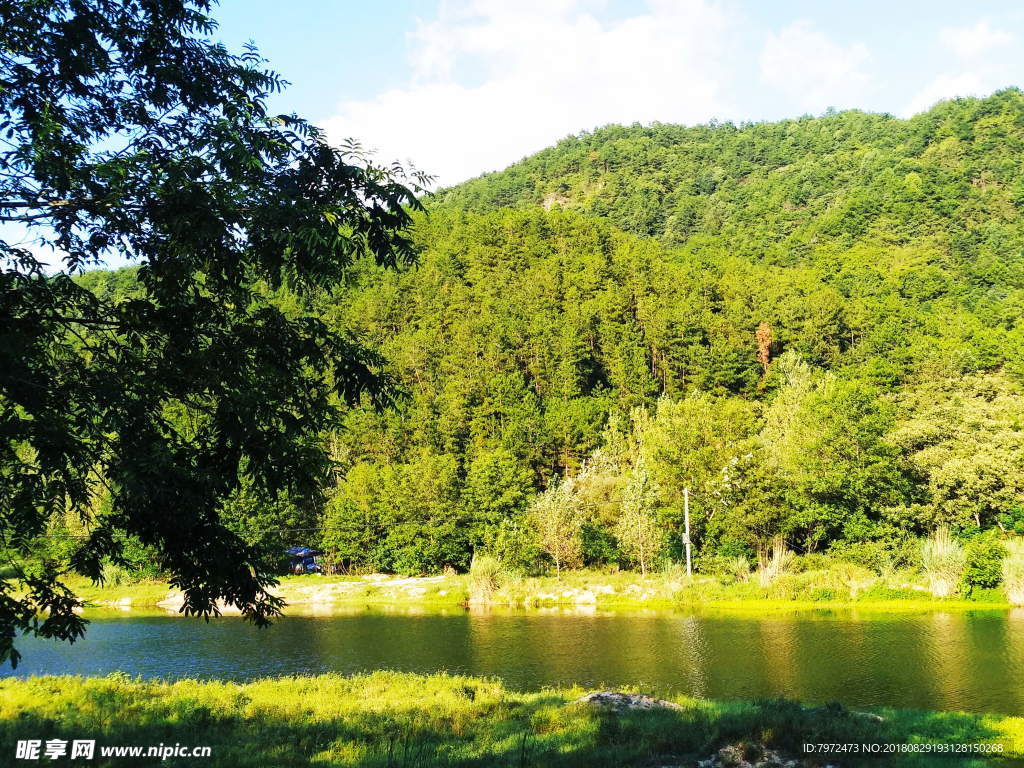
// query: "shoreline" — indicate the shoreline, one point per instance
point(319, 594)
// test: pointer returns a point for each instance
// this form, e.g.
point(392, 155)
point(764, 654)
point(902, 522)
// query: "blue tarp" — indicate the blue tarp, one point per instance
point(303, 559)
point(302, 552)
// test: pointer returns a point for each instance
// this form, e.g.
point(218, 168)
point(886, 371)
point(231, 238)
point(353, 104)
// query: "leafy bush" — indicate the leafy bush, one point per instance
point(983, 595)
point(839, 581)
point(881, 556)
point(983, 562)
point(599, 546)
point(797, 586)
point(943, 559)
point(138, 563)
point(813, 561)
point(114, 575)
point(674, 574)
point(716, 565)
point(727, 569)
point(1012, 520)
point(517, 548)
point(883, 592)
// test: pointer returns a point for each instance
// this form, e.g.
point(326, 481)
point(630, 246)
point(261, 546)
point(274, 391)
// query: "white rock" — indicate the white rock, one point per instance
point(623, 701)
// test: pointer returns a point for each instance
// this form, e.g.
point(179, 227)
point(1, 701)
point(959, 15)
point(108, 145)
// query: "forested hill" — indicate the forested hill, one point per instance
point(777, 190)
point(814, 325)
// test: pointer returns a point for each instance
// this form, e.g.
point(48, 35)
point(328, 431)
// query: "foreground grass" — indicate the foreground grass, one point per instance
point(390, 719)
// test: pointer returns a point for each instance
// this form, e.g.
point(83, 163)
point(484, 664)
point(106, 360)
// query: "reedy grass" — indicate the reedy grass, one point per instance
point(772, 566)
point(1013, 571)
point(944, 561)
point(739, 569)
point(486, 575)
point(392, 720)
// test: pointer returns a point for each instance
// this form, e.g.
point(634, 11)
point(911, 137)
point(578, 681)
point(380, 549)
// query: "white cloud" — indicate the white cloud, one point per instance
point(947, 87)
point(494, 81)
point(491, 81)
point(813, 71)
point(984, 67)
point(970, 42)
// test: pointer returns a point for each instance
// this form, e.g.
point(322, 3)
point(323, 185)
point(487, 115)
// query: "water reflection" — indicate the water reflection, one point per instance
point(692, 655)
point(971, 660)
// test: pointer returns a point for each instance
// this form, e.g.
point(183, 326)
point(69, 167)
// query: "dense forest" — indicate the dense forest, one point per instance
point(813, 327)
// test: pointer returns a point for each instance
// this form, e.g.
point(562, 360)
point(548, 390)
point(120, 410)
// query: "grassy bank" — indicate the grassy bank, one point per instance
point(296, 590)
point(390, 720)
point(826, 588)
point(673, 589)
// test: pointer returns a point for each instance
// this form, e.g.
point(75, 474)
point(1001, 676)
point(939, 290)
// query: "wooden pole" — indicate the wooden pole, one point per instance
point(686, 535)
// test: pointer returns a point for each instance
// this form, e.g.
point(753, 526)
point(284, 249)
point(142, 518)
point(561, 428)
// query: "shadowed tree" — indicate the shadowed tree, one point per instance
point(127, 132)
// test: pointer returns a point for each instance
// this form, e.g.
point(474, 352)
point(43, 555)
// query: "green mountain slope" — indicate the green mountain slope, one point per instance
point(779, 190)
point(815, 326)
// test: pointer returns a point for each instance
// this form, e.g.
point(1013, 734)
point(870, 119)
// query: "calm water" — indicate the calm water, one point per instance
point(972, 661)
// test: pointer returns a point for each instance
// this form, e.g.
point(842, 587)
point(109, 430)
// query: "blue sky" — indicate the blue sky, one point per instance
point(462, 87)
point(467, 86)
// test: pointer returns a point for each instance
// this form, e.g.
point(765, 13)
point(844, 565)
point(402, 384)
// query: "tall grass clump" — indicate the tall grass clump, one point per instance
point(114, 575)
point(485, 576)
point(673, 575)
point(944, 561)
point(774, 562)
point(1013, 571)
point(739, 569)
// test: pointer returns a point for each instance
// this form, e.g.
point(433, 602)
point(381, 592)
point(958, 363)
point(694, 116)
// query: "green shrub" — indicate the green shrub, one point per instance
point(674, 573)
point(883, 592)
point(517, 548)
point(883, 556)
point(1012, 520)
point(114, 575)
point(985, 595)
point(943, 559)
point(983, 562)
point(813, 561)
point(717, 565)
point(599, 546)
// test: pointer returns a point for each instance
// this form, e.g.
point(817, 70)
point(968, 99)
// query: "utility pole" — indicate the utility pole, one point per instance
point(686, 535)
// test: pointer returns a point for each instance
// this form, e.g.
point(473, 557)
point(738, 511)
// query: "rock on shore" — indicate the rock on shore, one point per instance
point(620, 702)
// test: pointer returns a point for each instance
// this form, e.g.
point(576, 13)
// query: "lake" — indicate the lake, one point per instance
point(938, 660)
